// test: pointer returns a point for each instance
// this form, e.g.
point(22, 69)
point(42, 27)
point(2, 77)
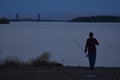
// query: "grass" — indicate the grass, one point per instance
point(42, 60)
point(10, 61)
point(41, 68)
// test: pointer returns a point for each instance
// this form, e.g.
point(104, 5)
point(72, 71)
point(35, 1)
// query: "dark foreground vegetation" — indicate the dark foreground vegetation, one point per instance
point(101, 18)
point(41, 68)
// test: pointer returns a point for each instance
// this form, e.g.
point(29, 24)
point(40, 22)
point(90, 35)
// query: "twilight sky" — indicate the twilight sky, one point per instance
point(65, 8)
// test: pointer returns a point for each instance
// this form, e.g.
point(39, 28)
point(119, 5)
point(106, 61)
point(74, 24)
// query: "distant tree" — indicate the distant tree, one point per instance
point(4, 20)
point(101, 18)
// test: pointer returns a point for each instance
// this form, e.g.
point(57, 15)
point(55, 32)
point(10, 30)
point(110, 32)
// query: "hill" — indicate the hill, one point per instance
point(101, 18)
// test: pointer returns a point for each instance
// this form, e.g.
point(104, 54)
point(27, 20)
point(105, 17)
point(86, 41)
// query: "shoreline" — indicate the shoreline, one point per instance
point(59, 73)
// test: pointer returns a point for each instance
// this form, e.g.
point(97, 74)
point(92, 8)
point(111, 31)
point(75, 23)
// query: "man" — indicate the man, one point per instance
point(91, 48)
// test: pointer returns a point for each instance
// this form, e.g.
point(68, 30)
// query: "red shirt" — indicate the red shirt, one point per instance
point(91, 45)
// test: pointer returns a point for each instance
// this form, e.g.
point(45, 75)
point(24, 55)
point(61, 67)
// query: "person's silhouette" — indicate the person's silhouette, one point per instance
point(90, 46)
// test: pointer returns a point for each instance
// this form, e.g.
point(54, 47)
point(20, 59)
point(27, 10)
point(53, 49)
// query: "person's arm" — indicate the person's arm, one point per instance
point(96, 42)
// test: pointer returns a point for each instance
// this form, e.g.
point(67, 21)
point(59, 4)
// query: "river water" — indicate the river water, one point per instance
point(27, 40)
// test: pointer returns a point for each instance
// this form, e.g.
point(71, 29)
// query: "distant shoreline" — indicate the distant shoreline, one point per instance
point(101, 18)
point(97, 19)
point(63, 21)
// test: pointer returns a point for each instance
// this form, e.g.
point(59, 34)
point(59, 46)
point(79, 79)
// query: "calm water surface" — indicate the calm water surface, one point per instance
point(27, 40)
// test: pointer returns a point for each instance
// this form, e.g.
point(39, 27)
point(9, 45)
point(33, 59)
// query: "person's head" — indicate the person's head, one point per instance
point(91, 34)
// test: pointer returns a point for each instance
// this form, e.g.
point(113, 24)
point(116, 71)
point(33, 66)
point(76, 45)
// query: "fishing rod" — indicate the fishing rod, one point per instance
point(78, 45)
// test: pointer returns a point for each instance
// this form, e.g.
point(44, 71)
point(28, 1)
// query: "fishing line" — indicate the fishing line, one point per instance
point(78, 45)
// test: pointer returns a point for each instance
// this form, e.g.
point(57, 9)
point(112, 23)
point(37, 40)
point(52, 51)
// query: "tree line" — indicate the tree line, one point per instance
point(4, 21)
point(101, 18)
